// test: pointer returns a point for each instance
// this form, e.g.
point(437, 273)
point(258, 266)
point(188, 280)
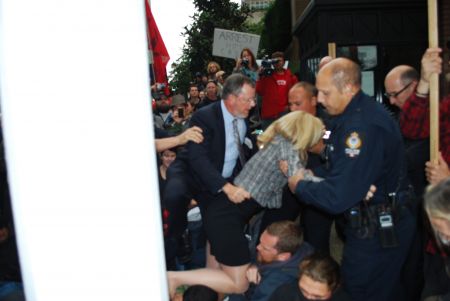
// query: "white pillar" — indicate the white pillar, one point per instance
point(79, 143)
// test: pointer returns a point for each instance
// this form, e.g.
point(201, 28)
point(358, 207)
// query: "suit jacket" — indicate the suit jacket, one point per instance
point(205, 160)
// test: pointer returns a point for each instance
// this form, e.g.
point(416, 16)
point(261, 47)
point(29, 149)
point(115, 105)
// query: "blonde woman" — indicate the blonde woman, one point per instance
point(289, 138)
point(211, 69)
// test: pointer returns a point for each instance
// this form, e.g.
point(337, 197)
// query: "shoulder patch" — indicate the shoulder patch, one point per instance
point(353, 143)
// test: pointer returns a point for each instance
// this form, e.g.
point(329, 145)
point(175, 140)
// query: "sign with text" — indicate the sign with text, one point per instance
point(229, 43)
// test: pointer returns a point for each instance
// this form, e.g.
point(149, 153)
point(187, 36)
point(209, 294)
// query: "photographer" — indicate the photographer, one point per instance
point(180, 119)
point(246, 64)
point(273, 86)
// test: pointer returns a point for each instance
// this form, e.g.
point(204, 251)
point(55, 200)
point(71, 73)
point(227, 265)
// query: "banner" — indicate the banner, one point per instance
point(157, 47)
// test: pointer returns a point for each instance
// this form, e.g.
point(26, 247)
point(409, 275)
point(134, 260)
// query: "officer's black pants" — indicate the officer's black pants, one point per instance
point(371, 273)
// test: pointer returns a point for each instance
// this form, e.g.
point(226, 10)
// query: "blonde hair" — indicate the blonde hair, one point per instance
point(211, 64)
point(301, 128)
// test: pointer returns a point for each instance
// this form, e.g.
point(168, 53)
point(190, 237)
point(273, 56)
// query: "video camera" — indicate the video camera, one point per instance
point(267, 66)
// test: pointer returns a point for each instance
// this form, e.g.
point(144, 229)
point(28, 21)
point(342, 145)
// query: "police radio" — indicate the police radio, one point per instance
point(386, 227)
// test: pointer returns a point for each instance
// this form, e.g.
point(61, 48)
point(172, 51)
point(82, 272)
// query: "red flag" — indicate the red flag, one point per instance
point(156, 45)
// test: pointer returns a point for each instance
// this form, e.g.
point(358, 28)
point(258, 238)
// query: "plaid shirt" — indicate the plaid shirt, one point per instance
point(415, 121)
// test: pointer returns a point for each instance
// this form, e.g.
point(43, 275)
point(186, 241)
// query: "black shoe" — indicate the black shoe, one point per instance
point(184, 250)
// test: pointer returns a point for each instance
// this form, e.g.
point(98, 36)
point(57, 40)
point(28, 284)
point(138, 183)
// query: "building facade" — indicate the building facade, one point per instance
point(376, 33)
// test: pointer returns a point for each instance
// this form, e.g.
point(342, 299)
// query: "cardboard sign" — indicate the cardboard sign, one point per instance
point(229, 43)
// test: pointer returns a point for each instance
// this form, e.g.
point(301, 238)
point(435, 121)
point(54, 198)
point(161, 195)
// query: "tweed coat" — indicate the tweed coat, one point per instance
point(262, 176)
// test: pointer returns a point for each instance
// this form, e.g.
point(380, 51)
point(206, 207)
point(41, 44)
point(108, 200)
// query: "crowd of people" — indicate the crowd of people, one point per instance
point(248, 206)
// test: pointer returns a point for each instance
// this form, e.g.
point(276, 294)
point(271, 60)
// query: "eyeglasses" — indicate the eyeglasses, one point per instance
point(396, 94)
point(248, 100)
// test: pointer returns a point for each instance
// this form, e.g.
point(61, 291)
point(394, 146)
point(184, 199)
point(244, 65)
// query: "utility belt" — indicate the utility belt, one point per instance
point(365, 219)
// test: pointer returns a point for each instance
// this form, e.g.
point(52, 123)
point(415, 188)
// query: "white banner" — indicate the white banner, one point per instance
point(229, 43)
point(84, 190)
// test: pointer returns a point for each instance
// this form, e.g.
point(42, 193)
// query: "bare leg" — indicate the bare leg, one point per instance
point(211, 261)
point(227, 279)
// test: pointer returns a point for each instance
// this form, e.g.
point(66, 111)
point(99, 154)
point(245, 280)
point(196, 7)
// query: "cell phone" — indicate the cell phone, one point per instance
point(180, 112)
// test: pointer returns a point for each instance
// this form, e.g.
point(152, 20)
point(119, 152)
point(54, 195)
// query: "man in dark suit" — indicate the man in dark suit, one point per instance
point(204, 172)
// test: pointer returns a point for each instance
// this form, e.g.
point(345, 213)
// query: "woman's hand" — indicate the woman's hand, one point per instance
point(284, 167)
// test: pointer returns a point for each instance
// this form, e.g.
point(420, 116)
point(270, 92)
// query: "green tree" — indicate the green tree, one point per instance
point(197, 51)
point(276, 34)
point(257, 28)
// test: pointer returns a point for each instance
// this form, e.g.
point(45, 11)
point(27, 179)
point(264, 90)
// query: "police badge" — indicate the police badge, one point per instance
point(353, 143)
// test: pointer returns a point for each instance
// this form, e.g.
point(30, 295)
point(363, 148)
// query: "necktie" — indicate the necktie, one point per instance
point(238, 142)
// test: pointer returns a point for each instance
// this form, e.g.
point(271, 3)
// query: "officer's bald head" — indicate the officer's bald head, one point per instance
point(344, 73)
point(337, 83)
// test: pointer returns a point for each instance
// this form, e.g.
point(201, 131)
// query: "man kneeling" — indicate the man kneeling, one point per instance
point(280, 250)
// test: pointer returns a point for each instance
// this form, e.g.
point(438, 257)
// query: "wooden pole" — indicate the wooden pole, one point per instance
point(434, 83)
point(332, 50)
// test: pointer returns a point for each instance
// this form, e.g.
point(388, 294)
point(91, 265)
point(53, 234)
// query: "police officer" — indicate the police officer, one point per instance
point(365, 148)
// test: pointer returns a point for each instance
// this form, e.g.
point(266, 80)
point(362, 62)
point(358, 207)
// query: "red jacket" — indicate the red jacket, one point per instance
point(275, 94)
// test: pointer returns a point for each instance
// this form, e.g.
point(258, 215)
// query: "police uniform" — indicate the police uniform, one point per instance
point(366, 148)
